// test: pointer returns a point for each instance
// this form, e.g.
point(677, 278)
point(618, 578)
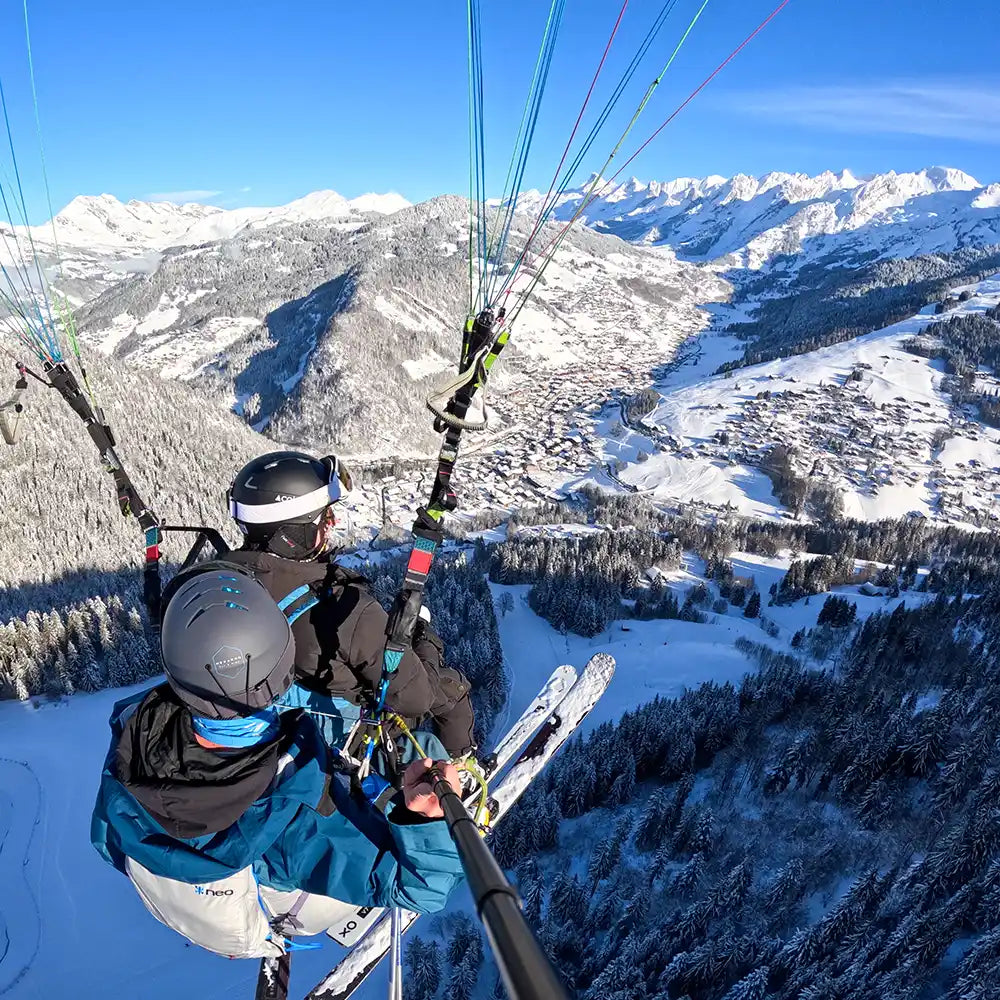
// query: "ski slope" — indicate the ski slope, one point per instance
point(663, 657)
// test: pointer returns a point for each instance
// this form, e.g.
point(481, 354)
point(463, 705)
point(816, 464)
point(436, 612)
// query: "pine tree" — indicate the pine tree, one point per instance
point(752, 609)
point(531, 889)
point(623, 785)
point(751, 987)
point(603, 861)
point(650, 828)
point(423, 969)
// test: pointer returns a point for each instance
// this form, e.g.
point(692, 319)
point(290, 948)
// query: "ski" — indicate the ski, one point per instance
point(272, 980)
point(561, 723)
point(353, 928)
point(552, 692)
point(574, 707)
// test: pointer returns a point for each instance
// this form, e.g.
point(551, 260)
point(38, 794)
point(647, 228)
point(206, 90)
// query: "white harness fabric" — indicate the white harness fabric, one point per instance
point(232, 916)
point(224, 917)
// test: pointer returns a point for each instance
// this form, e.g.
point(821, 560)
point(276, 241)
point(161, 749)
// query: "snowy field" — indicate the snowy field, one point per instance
point(70, 926)
point(870, 435)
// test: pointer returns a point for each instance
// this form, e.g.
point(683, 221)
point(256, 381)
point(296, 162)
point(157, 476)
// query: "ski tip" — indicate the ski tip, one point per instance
point(602, 662)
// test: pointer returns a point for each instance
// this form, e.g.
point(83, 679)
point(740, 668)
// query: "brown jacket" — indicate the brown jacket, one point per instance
point(339, 643)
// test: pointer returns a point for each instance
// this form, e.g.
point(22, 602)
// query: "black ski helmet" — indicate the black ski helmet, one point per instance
point(226, 647)
point(278, 500)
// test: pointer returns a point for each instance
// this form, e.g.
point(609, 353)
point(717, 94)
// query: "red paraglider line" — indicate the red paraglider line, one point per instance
point(694, 93)
point(572, 136)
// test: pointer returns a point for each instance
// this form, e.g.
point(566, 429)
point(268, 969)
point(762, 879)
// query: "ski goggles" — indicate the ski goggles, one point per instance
point(339, 473)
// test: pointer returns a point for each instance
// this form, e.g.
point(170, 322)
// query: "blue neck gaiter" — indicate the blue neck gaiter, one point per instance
point(246, 731)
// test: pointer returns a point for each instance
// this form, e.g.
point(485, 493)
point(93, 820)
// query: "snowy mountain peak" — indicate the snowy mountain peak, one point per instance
point(989, 197)
point(318, 205)
point(103, 221)
point(742, 187)
point(595, 181)
point(384, 204)
point(950, 179)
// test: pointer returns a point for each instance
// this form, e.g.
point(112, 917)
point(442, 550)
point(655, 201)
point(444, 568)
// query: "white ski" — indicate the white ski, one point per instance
point(355, 967)
point(531, 719)
point(354, 927)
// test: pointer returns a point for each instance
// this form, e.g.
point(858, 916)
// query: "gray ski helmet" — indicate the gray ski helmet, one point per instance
point(278, 500)
point(226, 647)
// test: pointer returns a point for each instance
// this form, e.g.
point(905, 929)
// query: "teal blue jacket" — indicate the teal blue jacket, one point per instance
point(312, 829)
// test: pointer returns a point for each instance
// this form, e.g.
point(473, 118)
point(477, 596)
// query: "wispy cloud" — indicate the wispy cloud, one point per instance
point(182, 196)
point(942, 109)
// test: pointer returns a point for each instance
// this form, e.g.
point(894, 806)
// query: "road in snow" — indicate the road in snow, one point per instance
point(20, 920)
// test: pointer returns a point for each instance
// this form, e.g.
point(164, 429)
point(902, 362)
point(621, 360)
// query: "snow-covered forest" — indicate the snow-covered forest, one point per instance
point(823, 827)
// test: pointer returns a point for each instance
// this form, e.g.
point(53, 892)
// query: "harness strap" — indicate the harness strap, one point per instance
point(298, 602)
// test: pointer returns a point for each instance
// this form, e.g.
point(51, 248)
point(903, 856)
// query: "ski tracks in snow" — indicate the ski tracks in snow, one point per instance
point(20, 918)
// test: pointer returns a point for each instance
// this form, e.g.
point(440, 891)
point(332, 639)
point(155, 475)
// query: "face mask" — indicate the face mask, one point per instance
point(247, 731)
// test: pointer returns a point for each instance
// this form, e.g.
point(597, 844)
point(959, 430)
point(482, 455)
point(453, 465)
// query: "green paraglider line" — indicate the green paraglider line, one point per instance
point(62, 308)
point(520, 128)
point(694, 93)
point(556, 242)
point(598, 177)
point(477, 146)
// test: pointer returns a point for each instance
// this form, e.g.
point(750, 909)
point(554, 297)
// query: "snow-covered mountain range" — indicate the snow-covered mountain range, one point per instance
point(103, 221)
point(332, 335)
point(749, 221)
point(97, 241)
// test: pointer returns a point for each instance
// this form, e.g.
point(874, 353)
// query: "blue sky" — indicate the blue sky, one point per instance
point(254, 102)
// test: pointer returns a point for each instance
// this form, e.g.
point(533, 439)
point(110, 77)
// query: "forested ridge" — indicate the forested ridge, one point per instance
point(828, 302)
point(823, 829)
point(967, 344)
point(811, 833)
